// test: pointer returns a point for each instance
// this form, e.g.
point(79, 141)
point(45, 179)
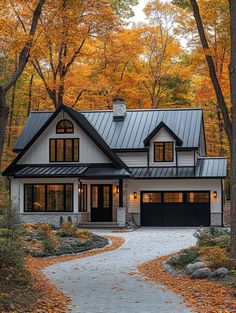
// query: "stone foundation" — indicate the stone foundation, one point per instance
point(216, 219)
point(134, 219)
point(53, 218)
point(227, 213)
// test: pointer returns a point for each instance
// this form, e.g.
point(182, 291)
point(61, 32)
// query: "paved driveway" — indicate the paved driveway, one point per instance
point(103, 283)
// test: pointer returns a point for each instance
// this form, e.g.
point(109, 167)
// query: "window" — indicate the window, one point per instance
point(163, 151)
point(82, 198)
point(65, 127)
point(106, 196)
point(198, 197)
point(152, 197)
point(64, 150)
point(173, 197)
point(48, 198)
point(94, 196)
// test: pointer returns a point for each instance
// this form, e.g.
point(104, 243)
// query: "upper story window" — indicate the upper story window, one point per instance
point(163, 152)
point(64, 150)
point(65, 127)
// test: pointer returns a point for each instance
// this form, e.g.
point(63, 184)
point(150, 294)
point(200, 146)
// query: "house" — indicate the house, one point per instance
point(148, 167)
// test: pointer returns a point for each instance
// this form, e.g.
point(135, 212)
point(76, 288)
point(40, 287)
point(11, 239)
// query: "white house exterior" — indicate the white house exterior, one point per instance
point(147, 167)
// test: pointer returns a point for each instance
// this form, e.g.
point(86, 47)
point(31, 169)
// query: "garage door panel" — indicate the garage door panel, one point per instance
point(183, 212)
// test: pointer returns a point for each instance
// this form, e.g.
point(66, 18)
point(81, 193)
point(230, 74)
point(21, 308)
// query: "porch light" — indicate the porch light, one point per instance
point(215, 194)
point(117, 189)
point(135, 195)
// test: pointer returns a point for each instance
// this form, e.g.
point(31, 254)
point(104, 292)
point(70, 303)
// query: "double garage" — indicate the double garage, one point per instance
point(175, 208)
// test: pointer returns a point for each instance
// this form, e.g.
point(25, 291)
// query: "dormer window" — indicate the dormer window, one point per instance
point(163, 152)
point(65, 127)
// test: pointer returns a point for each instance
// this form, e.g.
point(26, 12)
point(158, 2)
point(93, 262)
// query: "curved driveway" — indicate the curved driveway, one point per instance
point(105, 283)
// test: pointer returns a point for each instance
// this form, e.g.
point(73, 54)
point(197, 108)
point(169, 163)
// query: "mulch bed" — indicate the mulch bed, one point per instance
point(203, 296)
point(45, 297)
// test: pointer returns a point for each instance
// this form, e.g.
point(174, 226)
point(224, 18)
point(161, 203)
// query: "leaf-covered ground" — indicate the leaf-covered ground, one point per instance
point(41, 295)
point(203, 296)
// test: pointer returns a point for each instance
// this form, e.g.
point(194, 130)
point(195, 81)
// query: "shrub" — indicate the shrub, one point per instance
point(45, 229)
point(69, 219)
point(185, 257)
point(211, 237)
point(12, 266)
point(68, 229)
point(84, 235)
point(61, 220)
point(215, 256)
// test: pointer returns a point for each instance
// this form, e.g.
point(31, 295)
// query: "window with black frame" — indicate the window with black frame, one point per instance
point(82, 192)
point(48, 197)
point(163, 152)
point(64, 127)
point(64, 150)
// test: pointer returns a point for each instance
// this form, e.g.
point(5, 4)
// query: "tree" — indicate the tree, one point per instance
point(22, 61)
point(229, 116)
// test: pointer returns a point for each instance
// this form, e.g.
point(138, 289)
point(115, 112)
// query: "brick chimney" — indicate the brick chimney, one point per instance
point(119, 109)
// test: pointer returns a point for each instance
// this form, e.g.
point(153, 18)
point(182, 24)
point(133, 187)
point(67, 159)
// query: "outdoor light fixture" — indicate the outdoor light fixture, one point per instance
point(215, 194)
point(135, 195)
point(117, 189)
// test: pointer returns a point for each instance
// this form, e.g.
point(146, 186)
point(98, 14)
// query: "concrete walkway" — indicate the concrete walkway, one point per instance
point(104, 283)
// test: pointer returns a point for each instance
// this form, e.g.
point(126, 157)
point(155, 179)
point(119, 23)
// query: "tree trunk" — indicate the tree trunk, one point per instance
point(30, 95)
point(212, 71)
point(232, 76)
point(11, 114)
point(4, 110)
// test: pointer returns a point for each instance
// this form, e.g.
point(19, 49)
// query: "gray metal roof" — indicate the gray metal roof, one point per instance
point(61, 170)
point(94, 172)
point(130, 133)
point(206, 167)
point(48, 171)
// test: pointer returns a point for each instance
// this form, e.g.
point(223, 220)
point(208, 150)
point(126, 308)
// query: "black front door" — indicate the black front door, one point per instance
point(101, 203)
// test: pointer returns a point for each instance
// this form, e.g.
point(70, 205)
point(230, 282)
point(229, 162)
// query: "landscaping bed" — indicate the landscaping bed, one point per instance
point(44, 241)
point(204, 274)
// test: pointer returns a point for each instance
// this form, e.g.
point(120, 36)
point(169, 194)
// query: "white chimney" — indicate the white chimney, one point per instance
point(119, 109)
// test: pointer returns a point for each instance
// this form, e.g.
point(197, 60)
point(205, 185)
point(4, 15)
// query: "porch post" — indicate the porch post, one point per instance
point(121, 193)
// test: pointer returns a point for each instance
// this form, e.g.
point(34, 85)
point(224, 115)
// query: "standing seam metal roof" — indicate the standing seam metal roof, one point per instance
point(130, 133)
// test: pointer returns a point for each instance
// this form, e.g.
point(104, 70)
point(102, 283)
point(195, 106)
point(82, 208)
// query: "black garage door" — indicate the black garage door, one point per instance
point(175, 208)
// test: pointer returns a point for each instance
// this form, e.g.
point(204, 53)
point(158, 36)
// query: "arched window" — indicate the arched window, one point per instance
point(65, 126)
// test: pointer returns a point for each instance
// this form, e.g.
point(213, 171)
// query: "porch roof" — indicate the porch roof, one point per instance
point(62, 170)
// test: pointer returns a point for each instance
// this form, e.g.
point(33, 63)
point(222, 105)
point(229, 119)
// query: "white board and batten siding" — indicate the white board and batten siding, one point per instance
point(185, 158)
point(38, 153)
point(175, 185)
point(134, 159)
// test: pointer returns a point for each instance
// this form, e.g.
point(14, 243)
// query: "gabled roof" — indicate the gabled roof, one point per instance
point(83, 123)
point(161, 125)
point(130, 133)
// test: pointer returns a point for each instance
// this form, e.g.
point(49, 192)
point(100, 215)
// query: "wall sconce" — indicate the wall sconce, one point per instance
point(215, 194)
point(135, 195)
point(117, 189)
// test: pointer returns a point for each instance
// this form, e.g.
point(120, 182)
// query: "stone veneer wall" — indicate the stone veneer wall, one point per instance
point(227, 213)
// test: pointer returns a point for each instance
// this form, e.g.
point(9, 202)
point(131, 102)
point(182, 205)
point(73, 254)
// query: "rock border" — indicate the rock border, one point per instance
point(200, 295)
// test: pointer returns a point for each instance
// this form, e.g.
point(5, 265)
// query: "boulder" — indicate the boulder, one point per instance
point(190, 268)
point(201, 273)
point(196, 260)
point(219, 272)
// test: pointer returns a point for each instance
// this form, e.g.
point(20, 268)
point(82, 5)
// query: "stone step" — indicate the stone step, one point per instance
point(104, 225)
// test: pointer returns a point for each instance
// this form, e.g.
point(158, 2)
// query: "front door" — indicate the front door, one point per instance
point(101, 203)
